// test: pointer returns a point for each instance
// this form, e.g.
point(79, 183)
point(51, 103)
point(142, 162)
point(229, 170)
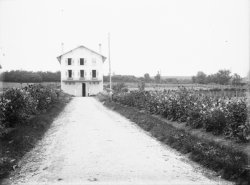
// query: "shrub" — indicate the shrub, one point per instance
point(120, 87)
point(217, 115)
point(17, 105)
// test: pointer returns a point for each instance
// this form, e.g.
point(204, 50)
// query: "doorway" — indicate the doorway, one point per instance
point(83, 89)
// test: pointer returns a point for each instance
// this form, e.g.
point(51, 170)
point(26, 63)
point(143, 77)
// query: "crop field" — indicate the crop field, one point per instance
point(153, 86)
point(17, 105)
point(221, 115)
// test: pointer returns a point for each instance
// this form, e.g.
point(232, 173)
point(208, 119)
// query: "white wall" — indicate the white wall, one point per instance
point(87, 67)
point(76, 88)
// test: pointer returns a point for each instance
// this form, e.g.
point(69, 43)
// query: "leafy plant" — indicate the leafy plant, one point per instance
point(223, 115)
point(17, 105)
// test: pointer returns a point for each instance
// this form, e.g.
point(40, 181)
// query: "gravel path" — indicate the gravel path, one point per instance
point(89, 144)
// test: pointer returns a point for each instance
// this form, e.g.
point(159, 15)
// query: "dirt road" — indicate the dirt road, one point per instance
point(89, 144)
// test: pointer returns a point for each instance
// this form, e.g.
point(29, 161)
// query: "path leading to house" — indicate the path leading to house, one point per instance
point(90, 144)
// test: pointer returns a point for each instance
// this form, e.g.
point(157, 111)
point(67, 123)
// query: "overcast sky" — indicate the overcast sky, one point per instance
point(175, 37)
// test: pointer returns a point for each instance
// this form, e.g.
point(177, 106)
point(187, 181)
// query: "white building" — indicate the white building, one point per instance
point(81, 71)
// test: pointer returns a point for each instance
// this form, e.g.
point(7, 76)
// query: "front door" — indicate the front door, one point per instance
point(83, 89)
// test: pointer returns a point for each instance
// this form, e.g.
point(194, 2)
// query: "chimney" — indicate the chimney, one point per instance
point(100, 48)
point(62, 48)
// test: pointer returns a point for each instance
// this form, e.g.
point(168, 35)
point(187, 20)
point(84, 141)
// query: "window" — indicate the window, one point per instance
point(93, 73)
point(70, 73)
point(82, 73)
point(69, 61)
point(81, 61)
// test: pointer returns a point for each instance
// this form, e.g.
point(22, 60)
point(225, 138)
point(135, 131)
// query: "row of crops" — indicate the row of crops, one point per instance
point(220, 115)
point(19, 104)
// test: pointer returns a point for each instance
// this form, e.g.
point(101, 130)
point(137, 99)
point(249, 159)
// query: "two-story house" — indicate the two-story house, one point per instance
point(81, 71)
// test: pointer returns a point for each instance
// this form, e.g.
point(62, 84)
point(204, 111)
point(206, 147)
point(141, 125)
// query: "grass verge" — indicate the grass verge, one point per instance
point(23, 138)
point(226, 158)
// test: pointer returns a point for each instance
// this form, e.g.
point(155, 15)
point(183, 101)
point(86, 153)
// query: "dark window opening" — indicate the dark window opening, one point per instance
point(82, 73)
point(70, 73)
point(81, 61)
point(69, 61)
point(93, 73)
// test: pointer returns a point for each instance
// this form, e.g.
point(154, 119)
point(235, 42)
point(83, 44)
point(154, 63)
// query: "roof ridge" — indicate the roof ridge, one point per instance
point(59, 57)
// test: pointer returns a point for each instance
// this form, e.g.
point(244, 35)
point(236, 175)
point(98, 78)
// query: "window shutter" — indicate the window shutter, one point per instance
point(72, 73)
point(84, 61)
point(66, 61)
point(72, 61)
point(66, 73)
point(78, 73)
point(85, 74)
point(78, 61)
point(90, 73)
point(96, 73)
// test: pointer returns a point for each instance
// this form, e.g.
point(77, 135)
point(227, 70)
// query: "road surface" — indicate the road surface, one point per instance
point(90, 144)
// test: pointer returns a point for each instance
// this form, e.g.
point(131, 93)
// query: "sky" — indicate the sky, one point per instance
point(175, 37)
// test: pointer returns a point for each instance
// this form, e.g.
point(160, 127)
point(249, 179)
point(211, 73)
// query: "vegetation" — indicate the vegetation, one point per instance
point(225, 157)
point(28, 127)
point(18, 105)
point(30, 77)
point(222, 77)
point(227, 116)
point(158, 78)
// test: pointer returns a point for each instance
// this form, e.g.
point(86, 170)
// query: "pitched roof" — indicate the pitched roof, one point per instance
point(81, 46)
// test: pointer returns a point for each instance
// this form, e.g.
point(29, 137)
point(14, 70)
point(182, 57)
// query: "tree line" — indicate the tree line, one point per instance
point(146, 78)
point(223, 77)
point(22, 76)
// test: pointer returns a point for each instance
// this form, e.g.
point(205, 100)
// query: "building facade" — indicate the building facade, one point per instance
point(81, 71)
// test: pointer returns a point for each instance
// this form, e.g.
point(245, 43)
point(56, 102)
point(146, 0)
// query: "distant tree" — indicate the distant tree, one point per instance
point(158, 77)
point(212, 78)
point(21, 76)
point(200, 78)
point(171, 80)
point(223, 77)
point(141, 85)
point(147, 77)
point(236, 79)
point(120, 87)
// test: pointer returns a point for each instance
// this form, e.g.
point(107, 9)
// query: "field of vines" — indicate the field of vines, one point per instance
point(17, 105)
point(220, 115)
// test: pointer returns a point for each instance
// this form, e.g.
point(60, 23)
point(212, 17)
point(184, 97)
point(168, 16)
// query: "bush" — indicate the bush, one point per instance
point(226, 116)
point(120, 87)
point(43, 95)
point(17, 105)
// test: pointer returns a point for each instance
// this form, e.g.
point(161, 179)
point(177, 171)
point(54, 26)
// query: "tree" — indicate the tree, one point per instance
point(236, 79)
point(200, 78)
point(158, 77)
point(120, 87)
point(211, 79)
point(30, 76)
point(223, 77)
point(147, 77)
point(141, 85)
